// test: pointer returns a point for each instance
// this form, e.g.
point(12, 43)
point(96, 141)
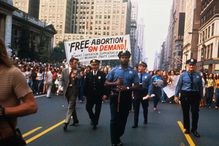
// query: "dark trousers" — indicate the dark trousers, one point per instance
point(119, 118)
point(94, 116)
point(157, 97)
point(217, 97)
point(138, 98)
point(190, 101)
point(209, 96)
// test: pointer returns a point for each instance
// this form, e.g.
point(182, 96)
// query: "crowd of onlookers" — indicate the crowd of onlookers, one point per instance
point(45, 78)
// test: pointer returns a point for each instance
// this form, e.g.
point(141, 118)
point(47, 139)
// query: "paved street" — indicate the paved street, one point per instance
point(162, 129)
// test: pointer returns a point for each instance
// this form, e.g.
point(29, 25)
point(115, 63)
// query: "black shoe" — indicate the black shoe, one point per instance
point(65, 126)
point(145, 122)
point(195, 133)
point(134, 126)
point(186, 131)
point(94, 127)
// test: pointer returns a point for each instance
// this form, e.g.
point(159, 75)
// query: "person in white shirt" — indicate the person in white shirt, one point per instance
point(49, 83)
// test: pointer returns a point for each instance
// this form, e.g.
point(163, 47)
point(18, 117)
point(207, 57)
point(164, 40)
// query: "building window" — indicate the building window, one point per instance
point(212, 30)
point(218, 51)
point(211, 51)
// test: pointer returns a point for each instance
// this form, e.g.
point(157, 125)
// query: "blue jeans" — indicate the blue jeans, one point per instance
point(163, 96)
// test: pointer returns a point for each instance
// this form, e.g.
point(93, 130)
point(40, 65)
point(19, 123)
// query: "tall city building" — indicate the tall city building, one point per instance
point(29, 6)
point(192, 24)
point(57, 13)
point(99, 17)
point(140, 39)
point(85, 18)
point(135, 50)
point(162, 63)
point(208, 44)
point(174, 41)
point(178, 36)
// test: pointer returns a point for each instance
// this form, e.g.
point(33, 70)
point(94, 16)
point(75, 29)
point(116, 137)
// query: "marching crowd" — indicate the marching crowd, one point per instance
point(123, 86)
point(46, 78)
point(119, 83)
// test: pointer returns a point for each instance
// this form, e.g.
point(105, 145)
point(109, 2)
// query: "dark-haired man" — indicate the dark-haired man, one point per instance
point(120, 79)
point(70, 78)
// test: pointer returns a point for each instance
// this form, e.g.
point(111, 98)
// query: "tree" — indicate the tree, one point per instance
point(43, 53)
point(58, 54)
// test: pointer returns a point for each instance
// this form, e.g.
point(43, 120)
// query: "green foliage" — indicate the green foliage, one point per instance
point(43, 54)
point(58, 53)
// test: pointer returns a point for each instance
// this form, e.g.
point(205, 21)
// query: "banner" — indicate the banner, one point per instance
point(170, 89)
point(104, 48)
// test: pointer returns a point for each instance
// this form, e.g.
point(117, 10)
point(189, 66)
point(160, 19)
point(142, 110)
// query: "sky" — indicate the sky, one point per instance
point(156, 15)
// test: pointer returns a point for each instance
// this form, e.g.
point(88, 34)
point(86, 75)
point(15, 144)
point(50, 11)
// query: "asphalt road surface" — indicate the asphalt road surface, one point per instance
point(45, 128)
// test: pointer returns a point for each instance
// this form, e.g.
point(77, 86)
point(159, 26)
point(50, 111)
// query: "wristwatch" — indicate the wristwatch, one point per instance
point(2, 111)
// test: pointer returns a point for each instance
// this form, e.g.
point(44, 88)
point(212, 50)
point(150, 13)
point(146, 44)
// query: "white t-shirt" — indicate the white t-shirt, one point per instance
point(49, 77)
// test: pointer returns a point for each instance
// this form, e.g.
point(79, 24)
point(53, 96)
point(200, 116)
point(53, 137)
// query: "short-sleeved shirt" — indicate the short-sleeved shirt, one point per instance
point(13, 86)
point(129, 76)
point(184, 83)
point(217, 83)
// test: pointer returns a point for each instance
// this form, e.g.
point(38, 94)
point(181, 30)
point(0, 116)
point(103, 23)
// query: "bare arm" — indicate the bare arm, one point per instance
point(28, 106)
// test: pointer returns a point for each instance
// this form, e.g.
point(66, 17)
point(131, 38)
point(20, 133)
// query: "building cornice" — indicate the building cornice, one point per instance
point(216, 16)
point(7, 6)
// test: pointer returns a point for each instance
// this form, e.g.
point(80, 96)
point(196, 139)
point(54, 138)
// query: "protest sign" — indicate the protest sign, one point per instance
point(104, 48)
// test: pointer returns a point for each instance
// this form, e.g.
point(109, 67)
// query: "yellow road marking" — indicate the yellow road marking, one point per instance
point(30, 132)
point(188, 138)
point(44, 132)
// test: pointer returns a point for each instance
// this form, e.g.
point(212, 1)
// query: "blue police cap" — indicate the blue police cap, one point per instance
point(142, 64)
point(191, 61)
point(124, 53)
point(94, 61)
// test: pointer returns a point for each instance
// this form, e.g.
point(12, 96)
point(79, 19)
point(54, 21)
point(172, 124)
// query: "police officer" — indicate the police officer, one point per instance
point(120, 79)
point(145, 86)
point(190, 87)
point(94, 91)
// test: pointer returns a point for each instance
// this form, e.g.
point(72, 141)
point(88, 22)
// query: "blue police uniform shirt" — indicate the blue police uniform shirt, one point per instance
point(184, 83)
point(146, 80)
point(128, 75)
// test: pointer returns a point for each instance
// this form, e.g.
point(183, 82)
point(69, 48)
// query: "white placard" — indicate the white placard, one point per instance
point(104, 48)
